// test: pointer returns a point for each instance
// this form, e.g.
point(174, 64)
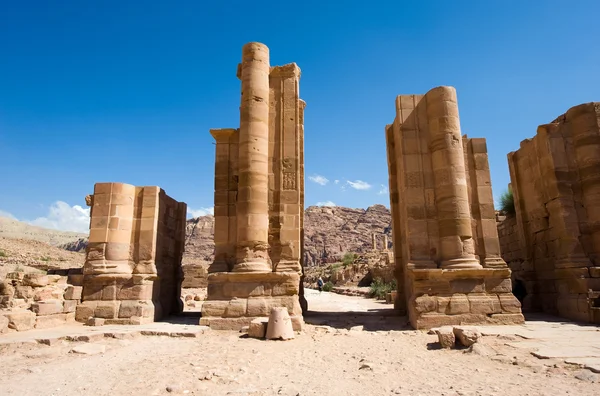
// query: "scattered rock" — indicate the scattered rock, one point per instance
point(481, 350)
point(446, 336)
point(49, 341)
point(356, 328)
point(588, 376)
point(258, 328)
point(3, 324)
point(467, 335)
point(89, 349)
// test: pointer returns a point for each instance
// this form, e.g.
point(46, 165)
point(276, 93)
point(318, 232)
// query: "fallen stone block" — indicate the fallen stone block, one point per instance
point(95, 322)
point(280, 325)
point(49, 341)
point(258, 328)
point(446, 336)
point(86, 337)
point(20, 320)
point(466, 335)
point(49, 307)
point(481, 349)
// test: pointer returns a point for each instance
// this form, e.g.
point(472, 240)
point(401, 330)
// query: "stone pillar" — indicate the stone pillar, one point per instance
point(586, 141)
point(252, 204)
point(374, 241)
point(224, 235)
point(457, 248)
point(385, 243)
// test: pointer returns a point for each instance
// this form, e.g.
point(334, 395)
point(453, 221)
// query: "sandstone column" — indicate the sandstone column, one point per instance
point(585, 120)
point(385, 243)
point(457, 248)
point(252, 204)
point(223, 210)
point(374, 241)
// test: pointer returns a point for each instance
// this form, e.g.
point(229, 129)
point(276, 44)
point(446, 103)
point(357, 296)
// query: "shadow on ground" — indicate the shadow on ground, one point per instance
point(371, 320)
point(184, 318)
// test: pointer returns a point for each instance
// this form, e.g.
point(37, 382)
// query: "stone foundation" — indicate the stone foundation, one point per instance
point(235, 299)
point(466, 296)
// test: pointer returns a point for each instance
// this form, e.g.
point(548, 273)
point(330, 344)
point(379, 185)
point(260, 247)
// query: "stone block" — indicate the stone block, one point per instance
point(235, 308)
point(48, 321)
point(509, 303)
point(446, 337)
point(214, 308)
point(466, 286)
point(131, 308)
point(50, 292)
point(107, 309)
point(73, 292)
point(424, 304)
point(48, 307)
point(3, 324)
point(484, 304)
point(35, 280)
point(20, 320)
point(54, 279)
point(85, 310)
point(258, 327)
point(498, 285)
point(466, 335)
point(258, 307)
point(25, 292)
point(69, 306)
point(459, 304)
point(507, 319)
point(595, 272)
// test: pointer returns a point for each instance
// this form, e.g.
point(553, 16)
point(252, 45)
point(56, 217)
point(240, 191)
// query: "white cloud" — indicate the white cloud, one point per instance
point(64, 217)
point(7, 215)
point(322, 180)
point(326, 203)
point(201, 211)
point(336, 181)
point(359, 185)
point(383, 190)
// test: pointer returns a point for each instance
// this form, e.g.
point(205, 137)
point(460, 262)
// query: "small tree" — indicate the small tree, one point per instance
point(327, 286)
point(348, 259)
point(507, 202)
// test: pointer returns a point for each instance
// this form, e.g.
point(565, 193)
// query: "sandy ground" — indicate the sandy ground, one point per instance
point(356, 353)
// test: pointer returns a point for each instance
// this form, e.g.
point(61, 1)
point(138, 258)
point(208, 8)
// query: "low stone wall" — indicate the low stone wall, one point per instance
point(194, 276)
point(40, 301)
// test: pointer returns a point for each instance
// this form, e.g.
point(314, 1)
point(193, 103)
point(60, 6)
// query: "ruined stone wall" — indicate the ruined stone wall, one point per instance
point(132, 272)
point(555, 180)
point(39, 300)
point(446, 247)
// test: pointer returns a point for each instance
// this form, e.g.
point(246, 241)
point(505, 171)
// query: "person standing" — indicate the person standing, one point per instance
point(320, 284)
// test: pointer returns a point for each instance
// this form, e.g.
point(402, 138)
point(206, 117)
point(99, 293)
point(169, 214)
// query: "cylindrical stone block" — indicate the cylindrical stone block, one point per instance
point(457, 247)
point(252, 206)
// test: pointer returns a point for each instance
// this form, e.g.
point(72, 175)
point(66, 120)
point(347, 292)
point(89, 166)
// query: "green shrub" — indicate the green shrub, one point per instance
point(335, 266)
point(507, 202)
point(3, 253)
point(349, 258)
point(328, 286)
point(45, 258)
point(379, 288)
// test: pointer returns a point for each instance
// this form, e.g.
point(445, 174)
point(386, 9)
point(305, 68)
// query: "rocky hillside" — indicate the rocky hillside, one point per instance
point(329, 233)
point(14, 229)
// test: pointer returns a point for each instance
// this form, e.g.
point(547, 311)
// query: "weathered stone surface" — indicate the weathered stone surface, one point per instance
point(467, 335)
point(258, 328)
point(73, 292)
point(20, 320)
point(446, 336)
point(69, 306)
point(48, 307)
point(48, 321)
point(89, 349)
point(35, 280)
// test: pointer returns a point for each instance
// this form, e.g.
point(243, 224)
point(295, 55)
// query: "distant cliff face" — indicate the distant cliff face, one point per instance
point(329, 232)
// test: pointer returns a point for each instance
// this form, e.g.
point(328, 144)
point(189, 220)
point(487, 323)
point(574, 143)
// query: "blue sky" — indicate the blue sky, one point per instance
point(127, 91)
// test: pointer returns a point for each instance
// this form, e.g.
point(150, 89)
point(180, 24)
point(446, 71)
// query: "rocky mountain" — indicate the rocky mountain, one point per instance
point(329, 232)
